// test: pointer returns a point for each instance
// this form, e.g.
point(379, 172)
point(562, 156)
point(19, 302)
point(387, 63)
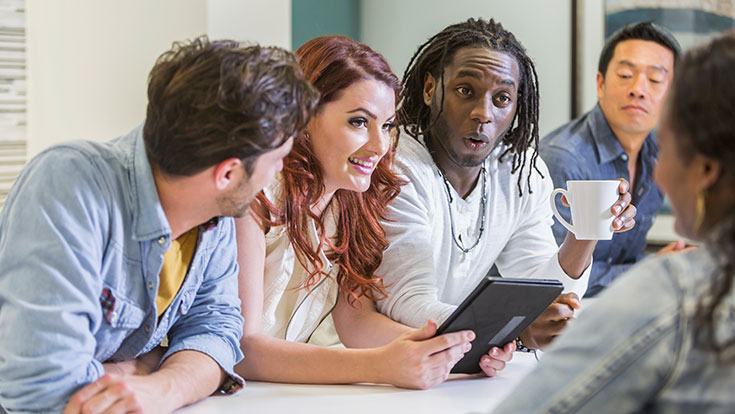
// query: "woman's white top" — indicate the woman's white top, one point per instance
point(290, 311)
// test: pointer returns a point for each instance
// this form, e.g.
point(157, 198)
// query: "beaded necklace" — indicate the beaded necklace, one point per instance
point(483, 205)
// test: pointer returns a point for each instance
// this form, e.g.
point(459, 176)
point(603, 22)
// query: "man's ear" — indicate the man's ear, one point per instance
point(227, 172)
point(600, 83)
point(429, 88)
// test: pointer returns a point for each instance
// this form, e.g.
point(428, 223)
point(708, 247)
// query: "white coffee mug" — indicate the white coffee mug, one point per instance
point(591, 202)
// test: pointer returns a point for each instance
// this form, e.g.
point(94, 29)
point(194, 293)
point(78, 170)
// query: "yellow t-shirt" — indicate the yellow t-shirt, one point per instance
point(175, 265)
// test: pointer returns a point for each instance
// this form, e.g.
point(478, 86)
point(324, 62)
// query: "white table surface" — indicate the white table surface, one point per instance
point(460, 394)
point(662, 231)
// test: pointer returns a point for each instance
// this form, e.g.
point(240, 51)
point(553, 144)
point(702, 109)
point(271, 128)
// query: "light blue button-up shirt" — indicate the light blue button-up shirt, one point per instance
point(82, 238)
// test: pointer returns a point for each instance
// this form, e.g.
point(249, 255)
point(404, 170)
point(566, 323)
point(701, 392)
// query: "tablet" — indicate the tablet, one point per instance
point(498, 310)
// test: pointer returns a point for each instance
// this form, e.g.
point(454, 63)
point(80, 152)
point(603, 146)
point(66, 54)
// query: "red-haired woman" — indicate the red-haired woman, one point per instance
point(312, 241)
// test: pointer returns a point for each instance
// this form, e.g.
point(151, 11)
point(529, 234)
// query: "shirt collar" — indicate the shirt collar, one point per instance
point(650, 147)
point(149, 220)
point(608, 146)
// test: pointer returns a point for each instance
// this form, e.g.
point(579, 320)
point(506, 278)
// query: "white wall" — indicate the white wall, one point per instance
point(592, 38)
point(88, 60)
point(397, 28)
point(267, 22)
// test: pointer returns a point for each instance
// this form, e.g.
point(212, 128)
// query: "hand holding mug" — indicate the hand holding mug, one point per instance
point(598, 208)
point(623, 210)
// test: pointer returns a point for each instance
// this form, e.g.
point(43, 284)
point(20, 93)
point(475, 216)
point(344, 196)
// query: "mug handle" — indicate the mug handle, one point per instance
point(558, 216)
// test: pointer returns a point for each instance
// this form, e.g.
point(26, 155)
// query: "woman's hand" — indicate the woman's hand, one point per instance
point(419, 360)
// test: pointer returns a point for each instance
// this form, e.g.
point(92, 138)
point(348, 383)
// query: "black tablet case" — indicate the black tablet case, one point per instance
point(498, 310)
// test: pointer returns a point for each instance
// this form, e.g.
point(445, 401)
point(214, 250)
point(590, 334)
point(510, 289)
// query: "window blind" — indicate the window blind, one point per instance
point(12, 93)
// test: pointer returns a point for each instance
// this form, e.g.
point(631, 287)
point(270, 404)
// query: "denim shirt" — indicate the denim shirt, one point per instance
point(82, 238)
point(634, 350)
point(586, 149)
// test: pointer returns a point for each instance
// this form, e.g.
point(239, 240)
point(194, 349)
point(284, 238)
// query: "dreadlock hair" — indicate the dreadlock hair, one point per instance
point(433, 57)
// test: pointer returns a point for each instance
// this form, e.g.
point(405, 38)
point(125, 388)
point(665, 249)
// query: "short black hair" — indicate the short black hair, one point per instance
point(638, 31)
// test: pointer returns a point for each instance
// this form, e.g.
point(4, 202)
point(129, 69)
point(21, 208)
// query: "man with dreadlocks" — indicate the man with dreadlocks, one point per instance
point(477, 194)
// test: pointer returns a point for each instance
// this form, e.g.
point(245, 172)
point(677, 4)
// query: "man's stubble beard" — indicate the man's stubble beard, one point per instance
point(440, 129)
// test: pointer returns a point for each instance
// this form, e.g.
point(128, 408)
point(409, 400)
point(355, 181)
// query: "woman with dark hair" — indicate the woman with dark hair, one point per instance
point(312, 242)
point(662, 338)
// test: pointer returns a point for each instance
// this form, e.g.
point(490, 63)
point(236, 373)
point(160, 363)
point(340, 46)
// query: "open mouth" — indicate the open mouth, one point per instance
point(474, 143)
point(362, 165)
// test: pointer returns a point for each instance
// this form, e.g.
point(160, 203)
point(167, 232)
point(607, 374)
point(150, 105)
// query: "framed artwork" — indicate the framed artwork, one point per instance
point(692, 21)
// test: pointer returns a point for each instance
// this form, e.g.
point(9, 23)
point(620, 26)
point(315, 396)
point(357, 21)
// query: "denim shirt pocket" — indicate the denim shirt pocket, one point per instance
point(121, 317)
point(187, 299)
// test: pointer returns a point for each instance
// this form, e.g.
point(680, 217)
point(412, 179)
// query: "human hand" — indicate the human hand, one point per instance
point(678, 246)
point(496, 358)
point(419, 360)
point(551, 322)
point(622, 209)
point(113, 394)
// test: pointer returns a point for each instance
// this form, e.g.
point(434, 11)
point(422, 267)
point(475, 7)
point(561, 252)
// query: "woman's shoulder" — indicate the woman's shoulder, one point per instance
point(660, 283)
point(274, 194)
point(274, 190)
point(412, 157)
point(689, 272)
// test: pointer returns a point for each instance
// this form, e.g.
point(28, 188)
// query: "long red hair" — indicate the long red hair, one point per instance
point(331, 64)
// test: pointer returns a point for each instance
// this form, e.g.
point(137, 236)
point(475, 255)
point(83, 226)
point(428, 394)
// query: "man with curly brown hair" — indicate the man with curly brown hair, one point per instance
point(108, 248)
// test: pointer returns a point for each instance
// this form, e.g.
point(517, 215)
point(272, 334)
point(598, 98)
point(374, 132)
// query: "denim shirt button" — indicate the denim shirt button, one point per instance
point(624, 157)
point(161, 240)
point(150, 285)
point(147, 329)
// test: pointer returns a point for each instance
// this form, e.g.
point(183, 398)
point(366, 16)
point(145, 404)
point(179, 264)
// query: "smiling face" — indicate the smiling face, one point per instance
point(350, 134)
point(632, 91)
point(480, 99)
